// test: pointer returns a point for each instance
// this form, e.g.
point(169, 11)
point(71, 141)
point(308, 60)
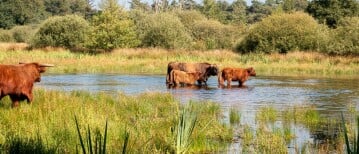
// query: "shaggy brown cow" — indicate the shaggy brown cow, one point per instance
point(17, 80)
point(178, 77)
point(206, 70)
point(235, 74)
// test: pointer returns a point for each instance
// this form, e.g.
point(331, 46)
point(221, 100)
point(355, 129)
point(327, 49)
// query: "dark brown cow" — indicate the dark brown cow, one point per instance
point(206, 70)
point(235, 74)
point(17, 80)
point(178, 77)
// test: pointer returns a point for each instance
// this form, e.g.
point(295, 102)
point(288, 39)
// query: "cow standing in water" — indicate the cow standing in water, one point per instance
point(206, 70)
point(17, 81)
point(235, 74)
point(178, 77)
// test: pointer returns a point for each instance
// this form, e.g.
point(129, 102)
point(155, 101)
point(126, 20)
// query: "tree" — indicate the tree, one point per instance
point(331, 11)
point(112, 28)
point(258, 10)
point(21, 12)
point(238, 12)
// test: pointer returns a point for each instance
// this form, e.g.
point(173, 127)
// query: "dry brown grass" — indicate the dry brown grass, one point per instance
point(154, 61)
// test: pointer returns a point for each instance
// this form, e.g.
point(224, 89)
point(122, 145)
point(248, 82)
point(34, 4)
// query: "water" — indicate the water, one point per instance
point(328, 95)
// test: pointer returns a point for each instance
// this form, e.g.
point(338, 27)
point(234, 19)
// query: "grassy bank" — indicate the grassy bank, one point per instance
point(149, 118)
point(154, 61)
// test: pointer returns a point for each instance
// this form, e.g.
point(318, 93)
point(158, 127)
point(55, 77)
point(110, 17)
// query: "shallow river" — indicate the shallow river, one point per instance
point(328, 95)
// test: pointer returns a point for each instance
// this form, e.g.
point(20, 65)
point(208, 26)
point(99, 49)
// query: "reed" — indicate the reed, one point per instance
point(234, 116)
point(185, 127)
point(351, 148)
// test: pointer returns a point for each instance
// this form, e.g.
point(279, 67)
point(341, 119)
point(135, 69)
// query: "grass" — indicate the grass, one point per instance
point(147, 117)
point(154, 61)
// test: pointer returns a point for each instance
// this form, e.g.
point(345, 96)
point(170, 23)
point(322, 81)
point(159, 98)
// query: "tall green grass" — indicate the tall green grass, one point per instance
point(351, 148)
point(148, 117)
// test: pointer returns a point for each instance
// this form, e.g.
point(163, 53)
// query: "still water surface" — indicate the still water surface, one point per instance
point(328, 95)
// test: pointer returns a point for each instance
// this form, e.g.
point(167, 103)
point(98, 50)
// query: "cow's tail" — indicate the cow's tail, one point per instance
point(220, 79)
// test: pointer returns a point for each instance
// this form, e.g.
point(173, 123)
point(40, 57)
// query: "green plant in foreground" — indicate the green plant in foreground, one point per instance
point(234, 116)
point(18, 145)
point(100, 145)
point(185, 127)
point(355, 144)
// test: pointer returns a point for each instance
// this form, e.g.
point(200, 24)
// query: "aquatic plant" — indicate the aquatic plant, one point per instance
point(234, 116)
point(185, 127)
point(354, 147)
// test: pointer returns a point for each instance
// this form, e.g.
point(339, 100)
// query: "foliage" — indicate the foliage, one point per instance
point(331, 11)
point(149, 116)
point(21, 145)
point(188, 18)
point(163, 30)
point(186, 123)
point(344, 39)
point(23, 33)
point(99, 142)
point(112, 29)
point(21, 12)
point(62, 31)
point(211, 34)
point(283, 33)
point(354, 147)
point(5, 36)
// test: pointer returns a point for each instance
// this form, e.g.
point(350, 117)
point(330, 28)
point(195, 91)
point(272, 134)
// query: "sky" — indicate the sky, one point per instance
point(125, 3)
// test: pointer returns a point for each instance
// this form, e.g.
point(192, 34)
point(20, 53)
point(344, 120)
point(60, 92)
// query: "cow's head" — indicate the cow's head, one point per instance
point(35, 69)
point(251, 71)
point(212, 70)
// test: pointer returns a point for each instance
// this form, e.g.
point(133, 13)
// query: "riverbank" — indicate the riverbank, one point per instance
point(154, 61)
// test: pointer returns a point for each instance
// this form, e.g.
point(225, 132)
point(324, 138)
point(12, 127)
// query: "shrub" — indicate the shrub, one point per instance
point(211, 34)
point(163, 30)
point(23, 33)
point(282, 33)
point(5, 36)
point(345, 38)
point(188, 18)
point(112, 29)
point(62, 31)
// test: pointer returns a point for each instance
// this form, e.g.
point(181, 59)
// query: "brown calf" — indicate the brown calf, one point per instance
point(235, 74)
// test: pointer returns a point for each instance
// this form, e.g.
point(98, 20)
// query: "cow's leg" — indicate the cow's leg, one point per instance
point(15, 100)
point(240, 83)
point(229, 82)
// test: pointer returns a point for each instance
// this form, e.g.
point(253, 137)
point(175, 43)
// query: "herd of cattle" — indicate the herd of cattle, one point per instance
point(17, 80)
point(179, 74)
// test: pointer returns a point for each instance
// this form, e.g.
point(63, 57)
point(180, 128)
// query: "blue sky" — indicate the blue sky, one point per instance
point(126, 4)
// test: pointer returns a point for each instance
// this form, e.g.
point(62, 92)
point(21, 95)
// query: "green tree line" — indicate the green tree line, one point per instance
point(329, 26)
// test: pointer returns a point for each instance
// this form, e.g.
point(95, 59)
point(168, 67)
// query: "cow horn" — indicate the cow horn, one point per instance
point(46, 65)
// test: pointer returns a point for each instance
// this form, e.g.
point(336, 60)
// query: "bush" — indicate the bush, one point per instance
point(23, 33)
point(211, 34)
point(163, 30)
point(62, 31)
point(5, 36)
point(282, 33)
point(345, 39)
point(188, 18)
point(112, 29)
